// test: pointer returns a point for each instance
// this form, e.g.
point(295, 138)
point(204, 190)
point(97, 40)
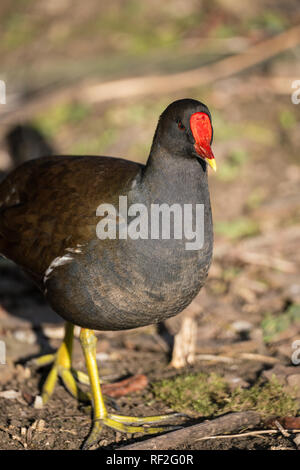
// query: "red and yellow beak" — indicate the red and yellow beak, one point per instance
point(204, 150)
point(202, 132)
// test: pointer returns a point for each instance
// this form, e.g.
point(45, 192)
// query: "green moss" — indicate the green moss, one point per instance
point(210, 395)
point(241, 227)
point(199, 392)
point(272, 324)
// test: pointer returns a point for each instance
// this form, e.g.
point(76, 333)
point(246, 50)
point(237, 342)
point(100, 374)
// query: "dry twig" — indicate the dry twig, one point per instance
point(246, 434)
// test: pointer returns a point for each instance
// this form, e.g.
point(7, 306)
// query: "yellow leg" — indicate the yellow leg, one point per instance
point(62, 367)
point(101, 416)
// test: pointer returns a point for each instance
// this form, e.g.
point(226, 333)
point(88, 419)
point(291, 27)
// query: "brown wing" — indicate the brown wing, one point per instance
point(49, 204)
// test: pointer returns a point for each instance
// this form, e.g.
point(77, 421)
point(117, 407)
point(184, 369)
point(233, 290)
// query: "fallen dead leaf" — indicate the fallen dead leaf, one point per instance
point(124, 387)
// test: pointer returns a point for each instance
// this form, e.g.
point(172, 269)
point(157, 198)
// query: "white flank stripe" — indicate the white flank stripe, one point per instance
point(59, 261)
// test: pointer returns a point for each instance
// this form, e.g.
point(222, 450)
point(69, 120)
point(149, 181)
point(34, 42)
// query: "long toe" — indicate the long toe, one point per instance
point(49, 384)
point(111, 422)
point(122, 427)
point(69, 382)
point(42, 361)
point(145, 419)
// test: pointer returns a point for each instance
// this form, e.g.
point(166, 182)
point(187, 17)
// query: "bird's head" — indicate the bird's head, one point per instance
point(185, 128)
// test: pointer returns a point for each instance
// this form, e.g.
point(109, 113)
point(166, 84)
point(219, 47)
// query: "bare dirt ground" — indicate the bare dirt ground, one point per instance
point(248, 314)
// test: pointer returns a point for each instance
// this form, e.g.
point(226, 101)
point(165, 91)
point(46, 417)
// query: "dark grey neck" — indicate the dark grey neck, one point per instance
point(175, 178)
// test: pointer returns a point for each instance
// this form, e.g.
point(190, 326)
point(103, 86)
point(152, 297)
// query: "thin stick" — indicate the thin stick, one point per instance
point(214, 358)
point(246, 434)
point(231, 422)
point(259, 358)
point(281, 429)
point(238, 356)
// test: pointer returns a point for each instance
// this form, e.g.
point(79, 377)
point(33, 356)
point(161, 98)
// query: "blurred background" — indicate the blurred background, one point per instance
point(93, 77)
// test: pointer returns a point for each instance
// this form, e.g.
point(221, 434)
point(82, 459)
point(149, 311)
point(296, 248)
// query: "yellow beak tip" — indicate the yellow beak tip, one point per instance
point(212, 163)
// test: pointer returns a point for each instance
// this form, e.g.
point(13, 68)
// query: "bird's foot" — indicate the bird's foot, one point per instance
point(62, 368)
point(48, 359)
point(128, 424)
point(67, 376)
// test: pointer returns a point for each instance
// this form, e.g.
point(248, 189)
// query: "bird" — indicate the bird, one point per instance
point(25, 142)
point(53, 214)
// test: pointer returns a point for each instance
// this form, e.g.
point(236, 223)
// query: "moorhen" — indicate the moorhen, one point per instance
point(24, 142)
point(49, 225)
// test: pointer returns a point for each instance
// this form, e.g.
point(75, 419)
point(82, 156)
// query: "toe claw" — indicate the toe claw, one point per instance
point(94, 435)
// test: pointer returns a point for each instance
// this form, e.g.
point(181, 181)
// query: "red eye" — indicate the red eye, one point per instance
point(180, 125)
